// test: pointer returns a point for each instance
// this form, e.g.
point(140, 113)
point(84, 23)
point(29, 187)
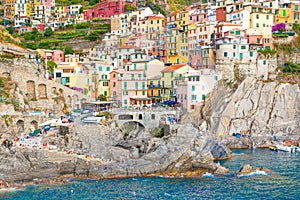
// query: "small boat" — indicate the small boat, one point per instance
point(295, 149)
point(284, 148)
point(273, 148)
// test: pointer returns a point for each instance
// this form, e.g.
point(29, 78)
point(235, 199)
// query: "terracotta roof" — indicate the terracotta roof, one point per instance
point(173, 67)
point(127, 47)
point(156, 17)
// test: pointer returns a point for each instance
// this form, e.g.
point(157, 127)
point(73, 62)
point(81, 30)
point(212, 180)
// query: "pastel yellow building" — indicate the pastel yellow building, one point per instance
point(154, 89)
point(9, 9)
point(284, 15)
point(155, 26)
point(182, 47)
point(260, 17)
point(170, 77)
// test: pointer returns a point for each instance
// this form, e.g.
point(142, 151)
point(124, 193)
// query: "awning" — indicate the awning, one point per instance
point(141, 98)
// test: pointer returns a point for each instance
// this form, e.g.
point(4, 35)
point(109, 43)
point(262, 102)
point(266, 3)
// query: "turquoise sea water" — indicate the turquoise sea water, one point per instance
point(283, 183)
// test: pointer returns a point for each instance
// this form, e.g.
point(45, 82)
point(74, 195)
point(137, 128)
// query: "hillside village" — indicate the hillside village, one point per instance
point(147, 58)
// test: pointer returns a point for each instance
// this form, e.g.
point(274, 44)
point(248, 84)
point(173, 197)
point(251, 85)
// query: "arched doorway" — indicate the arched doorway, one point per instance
point(42, 89)
point(20, 125)
point(31, 90)
point(34, 124)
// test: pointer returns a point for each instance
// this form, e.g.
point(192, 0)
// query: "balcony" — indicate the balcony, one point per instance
point(154, 86)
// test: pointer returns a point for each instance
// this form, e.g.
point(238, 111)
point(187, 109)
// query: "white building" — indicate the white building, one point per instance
point(192, 92)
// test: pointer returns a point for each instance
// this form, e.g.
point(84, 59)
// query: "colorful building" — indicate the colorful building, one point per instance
point(193, 89)
point(170, 76)
point(107, 8)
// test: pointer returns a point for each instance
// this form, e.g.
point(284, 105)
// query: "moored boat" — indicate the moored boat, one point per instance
point(273, 148)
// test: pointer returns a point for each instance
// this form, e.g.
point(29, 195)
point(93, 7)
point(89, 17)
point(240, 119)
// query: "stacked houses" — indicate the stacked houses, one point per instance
point(148, 58)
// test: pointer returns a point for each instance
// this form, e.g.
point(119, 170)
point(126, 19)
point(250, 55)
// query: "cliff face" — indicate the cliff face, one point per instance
point(256, 106)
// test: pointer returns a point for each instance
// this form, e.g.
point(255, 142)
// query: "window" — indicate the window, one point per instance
point(114, 84)
point(125, 85)
point(143, 93)
point(237, 32)
point(105, 93)
point(284, 13)
point(125, 101)
point(264, 62)
point(172, 74)
point(146, 66)
point(163, 74)
point(233, 54)
point(243, 47)
point(121, 75)
point(225, 54)
point(267, 16)
point(218, 46)
point(153, 116)
point(193, 88)
point(257, 24)
point(194, 97)
point(257, 16)
point(136, 85)
point(100, 68)
point(257, 40)
point(203, 97)
point(234, 46)
point(105, 83)
point(134, 66)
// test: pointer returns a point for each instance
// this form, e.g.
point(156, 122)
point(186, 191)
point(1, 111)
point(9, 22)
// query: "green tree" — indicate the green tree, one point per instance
point(130, 7)
point(48, 32)
point(69, 50)
point(102, 97)
point(52, 65)
point(80, 10)
point(10, 29)
point(291, 67)
point(93, 36)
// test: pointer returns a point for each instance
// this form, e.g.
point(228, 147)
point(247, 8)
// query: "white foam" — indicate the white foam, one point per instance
point(208, 175)
point(256, 173)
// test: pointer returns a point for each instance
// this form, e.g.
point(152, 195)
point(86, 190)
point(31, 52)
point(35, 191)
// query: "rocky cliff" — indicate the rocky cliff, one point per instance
point(254, 105)
point(185, 152)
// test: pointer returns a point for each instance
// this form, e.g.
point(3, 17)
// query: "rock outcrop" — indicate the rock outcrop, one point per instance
point(259, 108)
point(185, 153)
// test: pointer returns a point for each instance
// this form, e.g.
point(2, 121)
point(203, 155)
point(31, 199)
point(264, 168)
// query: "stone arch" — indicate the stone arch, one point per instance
point(54, 91)
point(20, 125)
point(42, 89)
point(133, 125)
point(140, 116)
point(153, 116)
point(60, 91)
point(30, 89)
point(6, 75)
point(34, 124)
point(83, 100)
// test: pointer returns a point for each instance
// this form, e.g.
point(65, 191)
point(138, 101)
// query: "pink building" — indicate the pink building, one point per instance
point(197, 16)
point(107, 8)
point(58, 56)
point(115, 87)
point(50, 3)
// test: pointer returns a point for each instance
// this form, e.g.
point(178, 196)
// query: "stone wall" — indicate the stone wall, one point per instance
point(41, 92)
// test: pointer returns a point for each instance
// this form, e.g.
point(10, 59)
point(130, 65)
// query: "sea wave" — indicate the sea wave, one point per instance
point(208, 175)
point(256, 173)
